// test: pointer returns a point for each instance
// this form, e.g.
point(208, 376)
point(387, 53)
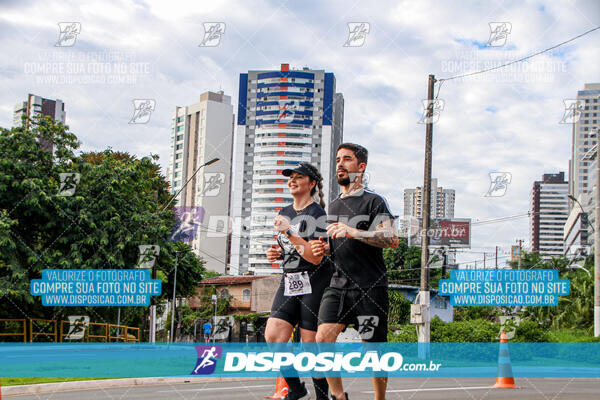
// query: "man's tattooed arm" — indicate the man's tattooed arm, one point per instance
point(383, 236)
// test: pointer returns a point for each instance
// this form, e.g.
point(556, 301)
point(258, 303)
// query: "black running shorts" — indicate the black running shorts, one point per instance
point(304, 309)
point(367, 309)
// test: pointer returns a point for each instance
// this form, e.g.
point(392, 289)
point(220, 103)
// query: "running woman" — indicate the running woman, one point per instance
point(358, 290)
point(305, 275)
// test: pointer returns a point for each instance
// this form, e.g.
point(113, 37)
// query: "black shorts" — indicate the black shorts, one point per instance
point(304, 309)
point(367, 309)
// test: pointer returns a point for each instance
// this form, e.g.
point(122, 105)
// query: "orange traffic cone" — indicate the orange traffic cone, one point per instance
point(281, 389)
point(505, 379)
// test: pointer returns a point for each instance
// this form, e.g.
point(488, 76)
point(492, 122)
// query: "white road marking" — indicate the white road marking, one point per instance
point(215, 388)
point(433, 389)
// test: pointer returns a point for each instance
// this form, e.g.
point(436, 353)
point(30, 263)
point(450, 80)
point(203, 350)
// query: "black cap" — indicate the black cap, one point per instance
point(303, 169)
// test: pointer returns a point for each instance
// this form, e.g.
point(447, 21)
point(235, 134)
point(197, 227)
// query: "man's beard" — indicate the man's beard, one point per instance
point(343, 181)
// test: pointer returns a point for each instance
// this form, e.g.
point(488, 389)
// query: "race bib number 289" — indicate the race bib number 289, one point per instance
point(297, 283)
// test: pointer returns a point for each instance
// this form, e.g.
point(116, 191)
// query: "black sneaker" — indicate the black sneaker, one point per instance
point(301, 394)
point(335, 398)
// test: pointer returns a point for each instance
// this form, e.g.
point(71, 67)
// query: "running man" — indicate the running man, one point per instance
point(357, 293)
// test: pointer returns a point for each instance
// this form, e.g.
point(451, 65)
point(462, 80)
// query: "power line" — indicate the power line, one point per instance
point(502, 219)
point(519, 60)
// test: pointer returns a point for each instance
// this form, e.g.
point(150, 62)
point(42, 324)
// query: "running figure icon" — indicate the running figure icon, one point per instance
point(207, 362)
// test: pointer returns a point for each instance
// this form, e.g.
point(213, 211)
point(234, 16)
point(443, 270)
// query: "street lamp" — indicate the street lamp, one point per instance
point(573, 198)
point(214, 301)
point(153, 306)
point(577, 266)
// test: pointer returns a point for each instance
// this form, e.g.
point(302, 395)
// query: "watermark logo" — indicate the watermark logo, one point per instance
point(142, 110)
point(499, 32)
point(287, 111)
point(148, 254)
point(213, 183)
point(68, 183)
point(212, 34)
point(77, 327)
point(573, 110)
point(357, 34)
point(222, 327)
point(68, 32)
point(508, 325)
point(189, 219)
point(207, 359)
point(431, 111)
point(367, 325)
point(499, 182)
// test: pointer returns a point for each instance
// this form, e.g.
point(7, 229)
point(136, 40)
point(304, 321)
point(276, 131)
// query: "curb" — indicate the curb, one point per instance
point(55, 387)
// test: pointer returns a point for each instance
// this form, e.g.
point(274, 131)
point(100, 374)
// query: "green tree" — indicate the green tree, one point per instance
point(190, 269)
point(574, 311)
point(399, 308)
point(29, 183)
point(533, 260)
point(404, 265)
point(118, 205)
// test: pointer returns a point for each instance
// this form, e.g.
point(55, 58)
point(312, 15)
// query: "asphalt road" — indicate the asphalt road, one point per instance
point(358, 388)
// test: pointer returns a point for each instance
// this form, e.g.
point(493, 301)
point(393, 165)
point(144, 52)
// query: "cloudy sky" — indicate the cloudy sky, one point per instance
point(504, 121)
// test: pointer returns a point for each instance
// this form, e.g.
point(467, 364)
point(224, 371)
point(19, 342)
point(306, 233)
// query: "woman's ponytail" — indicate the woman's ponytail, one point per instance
point(321, 195)
point(319, 184)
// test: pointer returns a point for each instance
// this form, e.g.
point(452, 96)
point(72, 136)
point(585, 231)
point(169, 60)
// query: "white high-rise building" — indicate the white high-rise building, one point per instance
point(583, 139)
point(549, 212)
point(284, 117)
point(442, 202)
point(201, 132)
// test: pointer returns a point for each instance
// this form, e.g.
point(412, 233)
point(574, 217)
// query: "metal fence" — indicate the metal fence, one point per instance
point(49, 330)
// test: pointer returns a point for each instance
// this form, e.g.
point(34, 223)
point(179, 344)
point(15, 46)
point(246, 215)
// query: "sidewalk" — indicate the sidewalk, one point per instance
point(56, 387)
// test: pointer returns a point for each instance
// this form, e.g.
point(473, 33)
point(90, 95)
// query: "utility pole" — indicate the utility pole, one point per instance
point(597, 242)
point(214, 301)
point(484, 254)
point(596, 228)
point(520, 252)
point(174, 292)
point(496, 257)
point(152, 327)
point(444, 262)
point(423, 323)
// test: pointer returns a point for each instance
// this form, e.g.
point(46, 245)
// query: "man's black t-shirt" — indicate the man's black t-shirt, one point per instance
point(357, 264)
point(308, 224)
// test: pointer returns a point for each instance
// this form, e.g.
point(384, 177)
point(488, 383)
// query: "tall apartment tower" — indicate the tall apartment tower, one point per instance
point(549, 212)
point(442, 201)
point(199, 133)
point(284, 117)
point(583, 139)
point(36, 106)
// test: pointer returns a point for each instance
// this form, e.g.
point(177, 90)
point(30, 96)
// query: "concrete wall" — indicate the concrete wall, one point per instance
point(263, 291)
